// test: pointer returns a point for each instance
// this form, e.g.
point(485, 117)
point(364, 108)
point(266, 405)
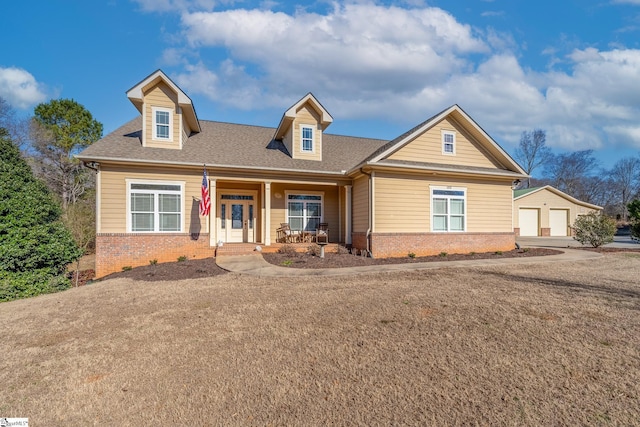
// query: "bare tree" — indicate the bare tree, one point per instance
point(18, 128)
point(625, 176)
point(532, 151)
point(574, 174)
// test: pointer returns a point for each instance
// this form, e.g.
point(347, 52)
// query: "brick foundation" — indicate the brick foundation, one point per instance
point(516, 231)
point(117, 250)
point(545, 232)
point(359, 240)
point(385, 245)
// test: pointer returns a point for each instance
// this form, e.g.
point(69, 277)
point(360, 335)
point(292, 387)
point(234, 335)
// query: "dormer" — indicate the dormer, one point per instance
point(168, 115)
point(301, 127)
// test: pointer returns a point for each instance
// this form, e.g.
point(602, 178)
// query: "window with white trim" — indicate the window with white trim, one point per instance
point(304, 211)
point(448, 142)
point(306, 138)
point(162, 123)
point(448, 209)
point(155, 207)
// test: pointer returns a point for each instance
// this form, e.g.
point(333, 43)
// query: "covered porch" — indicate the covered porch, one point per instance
point(252, 210)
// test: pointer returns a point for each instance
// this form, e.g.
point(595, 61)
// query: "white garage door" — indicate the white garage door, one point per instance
point(558, 222)
point(528, 221)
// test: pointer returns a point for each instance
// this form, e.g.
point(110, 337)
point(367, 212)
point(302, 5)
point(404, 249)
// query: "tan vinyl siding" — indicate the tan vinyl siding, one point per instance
point(428, 148)
point(489, 206)
point(546, 200)
point(307, 116)
point(287, 140)
point(279, 205)
point(113, 203)
point(360, 201)
point(403, 203)
point(160, 95)
point(186, 131)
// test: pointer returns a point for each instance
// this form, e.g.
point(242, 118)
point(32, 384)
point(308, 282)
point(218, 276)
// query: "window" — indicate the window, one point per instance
point(448, 209)
point(155, 207)
point(307, 138)
point(448, 142)
point(162, 124)
point(304, 211)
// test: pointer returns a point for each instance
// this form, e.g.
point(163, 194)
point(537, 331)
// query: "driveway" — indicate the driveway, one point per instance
point(569, 242)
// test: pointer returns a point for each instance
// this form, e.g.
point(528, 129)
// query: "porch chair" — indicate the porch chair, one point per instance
point(322, 233)
point(284, 234)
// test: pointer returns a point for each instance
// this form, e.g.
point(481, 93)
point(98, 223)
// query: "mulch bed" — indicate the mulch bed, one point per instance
point(333, 260)
point(189, 269)
point(193, 269)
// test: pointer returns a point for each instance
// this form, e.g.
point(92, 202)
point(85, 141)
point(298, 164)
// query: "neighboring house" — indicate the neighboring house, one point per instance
point(443, 186)
point(546, 211)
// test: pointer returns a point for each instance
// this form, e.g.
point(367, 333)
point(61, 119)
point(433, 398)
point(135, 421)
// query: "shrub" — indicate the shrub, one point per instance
point(498, 252)
point(35, 246)
point(127, 268)
point(313, 250)
point(342, 250)
point(16, 285)
point(594, 229)
point(287, 250)
point(443, 254)
point(411, 255)
point(182, 258)
point(153, 262)
point(634, 216)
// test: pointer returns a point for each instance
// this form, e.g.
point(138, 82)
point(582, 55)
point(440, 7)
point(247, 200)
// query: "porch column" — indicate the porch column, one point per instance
point(347, 215)
point(267, 213)
point(211, 223)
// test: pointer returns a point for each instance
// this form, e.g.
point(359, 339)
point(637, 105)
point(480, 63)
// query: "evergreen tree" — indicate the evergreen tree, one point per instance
point(35, 247)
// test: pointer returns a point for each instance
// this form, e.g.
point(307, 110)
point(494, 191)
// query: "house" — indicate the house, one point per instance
point(546, 211)
point(443, 186)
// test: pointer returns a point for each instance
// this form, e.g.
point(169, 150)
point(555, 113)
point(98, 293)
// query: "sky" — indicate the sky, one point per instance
point(570, 67)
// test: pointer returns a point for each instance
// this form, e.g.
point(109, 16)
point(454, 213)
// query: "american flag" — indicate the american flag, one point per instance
point(205, 201)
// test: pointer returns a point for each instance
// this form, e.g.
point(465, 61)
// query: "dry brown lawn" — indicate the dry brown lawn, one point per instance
point(540, 344)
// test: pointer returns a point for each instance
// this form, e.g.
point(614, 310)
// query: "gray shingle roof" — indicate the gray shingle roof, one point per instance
point(231, 145)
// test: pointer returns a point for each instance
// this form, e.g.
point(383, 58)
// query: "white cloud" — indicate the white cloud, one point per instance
point(20, 88)
point(175, 5)
point(354, 48)
point(368, 61)
point(636, 2)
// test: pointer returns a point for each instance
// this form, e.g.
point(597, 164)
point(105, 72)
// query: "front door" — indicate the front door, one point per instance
point(237, 218)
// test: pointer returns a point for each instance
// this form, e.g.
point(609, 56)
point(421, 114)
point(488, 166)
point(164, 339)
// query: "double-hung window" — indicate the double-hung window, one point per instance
point(155, 207)
point(448, 142)
point(306, 138)
point(162, 124)
point(304, 211)
point(448, 209)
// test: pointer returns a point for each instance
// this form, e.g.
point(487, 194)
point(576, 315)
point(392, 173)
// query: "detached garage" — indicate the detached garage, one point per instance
point(546, 211)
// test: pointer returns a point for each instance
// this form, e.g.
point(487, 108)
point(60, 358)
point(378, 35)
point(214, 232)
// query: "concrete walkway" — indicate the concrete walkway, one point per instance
point(624, 242)
point(255, 265)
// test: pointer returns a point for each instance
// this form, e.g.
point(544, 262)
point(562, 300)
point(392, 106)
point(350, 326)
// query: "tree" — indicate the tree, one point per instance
point(625, 176)
point(17, 128)
point(571, 173)
point(594, 229)
point(634, 217)
point(80, 219)
point(532, 151)
point(61, 129)
point(35, 247)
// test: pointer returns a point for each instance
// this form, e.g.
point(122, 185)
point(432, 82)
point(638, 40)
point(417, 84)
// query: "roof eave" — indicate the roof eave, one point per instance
point(382, 165)
point(561, 194)
point(209, 165)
